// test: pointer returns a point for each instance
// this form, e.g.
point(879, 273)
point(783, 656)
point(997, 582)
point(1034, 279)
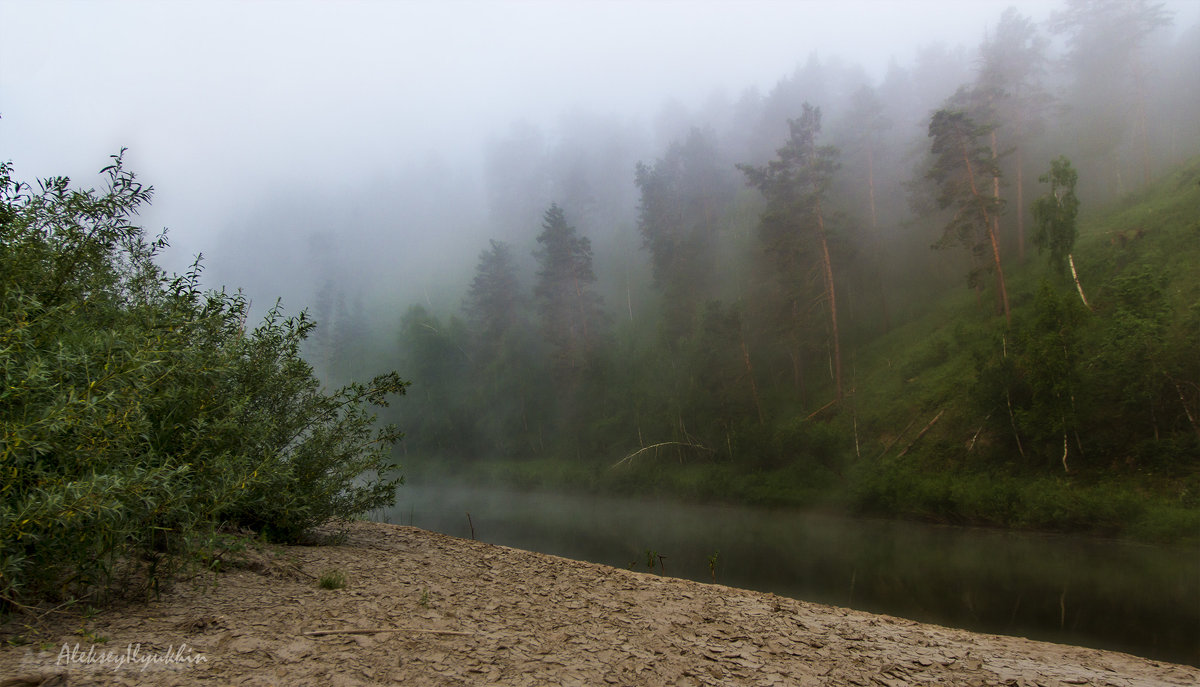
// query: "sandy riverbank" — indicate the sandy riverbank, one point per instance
point(458, 612)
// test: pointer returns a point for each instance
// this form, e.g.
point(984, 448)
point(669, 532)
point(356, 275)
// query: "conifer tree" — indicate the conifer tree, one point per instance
point(681, 199)
point(962, 167)
point(1012, 63)
point(795, 185)
point(571, 312)
point(493, 302)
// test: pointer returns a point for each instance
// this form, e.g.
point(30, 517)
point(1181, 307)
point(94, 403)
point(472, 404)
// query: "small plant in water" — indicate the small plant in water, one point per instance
point(652, 557)
point(332, 579)
point(712, 565)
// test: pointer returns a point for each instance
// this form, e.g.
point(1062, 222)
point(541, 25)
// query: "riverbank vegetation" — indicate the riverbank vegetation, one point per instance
point(948, 418)
point(776, 329)
point(140, 417)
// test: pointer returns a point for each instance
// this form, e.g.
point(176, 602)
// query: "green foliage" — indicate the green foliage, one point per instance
point(962, 169)
point(136, 414)
point(1054, 213)
point(713, 561)
point(1034, 377)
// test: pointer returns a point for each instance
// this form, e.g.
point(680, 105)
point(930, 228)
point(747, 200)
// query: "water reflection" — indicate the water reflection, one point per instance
point(1090, 592)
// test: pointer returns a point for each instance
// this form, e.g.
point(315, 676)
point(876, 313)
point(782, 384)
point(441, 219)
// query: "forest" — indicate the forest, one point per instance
point(964, 292)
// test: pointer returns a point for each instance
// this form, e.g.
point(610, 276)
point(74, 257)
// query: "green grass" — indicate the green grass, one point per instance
point(332, 579)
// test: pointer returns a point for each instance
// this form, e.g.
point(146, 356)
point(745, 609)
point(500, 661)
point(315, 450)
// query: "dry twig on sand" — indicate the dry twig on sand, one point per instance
point(371, 631)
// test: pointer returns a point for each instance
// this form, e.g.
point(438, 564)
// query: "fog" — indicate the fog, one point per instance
point(371, 149)
point(283, 135)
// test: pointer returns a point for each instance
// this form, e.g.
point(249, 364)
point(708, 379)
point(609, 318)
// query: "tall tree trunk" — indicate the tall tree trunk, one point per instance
point(995, 237)
point(875, 238)
point(833, 314)
point(992, 231)
point(582, 309)
point(990, 227)
point(1139, 75)
point(1020, 211)
point(871, 187)
point(1018, 136)
point(753, 383)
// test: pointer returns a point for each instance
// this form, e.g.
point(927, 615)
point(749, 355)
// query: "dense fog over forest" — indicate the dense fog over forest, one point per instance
point(293, 143)
point(586, 228)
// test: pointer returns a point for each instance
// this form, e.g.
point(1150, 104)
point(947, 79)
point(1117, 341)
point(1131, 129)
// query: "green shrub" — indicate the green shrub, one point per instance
point(137, 416)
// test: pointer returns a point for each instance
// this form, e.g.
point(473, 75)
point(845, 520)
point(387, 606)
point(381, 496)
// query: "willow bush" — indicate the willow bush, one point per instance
point(137, 414)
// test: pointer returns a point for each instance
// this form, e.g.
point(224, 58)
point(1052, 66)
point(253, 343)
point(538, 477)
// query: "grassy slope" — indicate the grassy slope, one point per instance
point(927, 367)
point(924, 370)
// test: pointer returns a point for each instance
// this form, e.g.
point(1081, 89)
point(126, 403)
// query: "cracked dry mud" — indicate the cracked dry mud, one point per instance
point(524, 618)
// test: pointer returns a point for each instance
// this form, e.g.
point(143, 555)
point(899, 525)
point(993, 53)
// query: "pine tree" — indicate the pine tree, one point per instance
point(962, 167)
point(1012, 62)
point(795, 185)
point(494, 300)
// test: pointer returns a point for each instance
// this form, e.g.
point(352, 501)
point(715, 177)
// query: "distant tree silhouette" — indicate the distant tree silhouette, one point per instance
point(571, 313)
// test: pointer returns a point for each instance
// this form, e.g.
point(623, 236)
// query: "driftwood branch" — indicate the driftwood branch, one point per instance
point(818, 410)
point(971, 447)
point(1186, 410)
point(893, 441)
point(922, 433)
point(631, 456)
point(371, 631)
point(1012, 420)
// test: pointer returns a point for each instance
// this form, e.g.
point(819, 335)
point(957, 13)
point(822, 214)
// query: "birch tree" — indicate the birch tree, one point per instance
point(1054, 213)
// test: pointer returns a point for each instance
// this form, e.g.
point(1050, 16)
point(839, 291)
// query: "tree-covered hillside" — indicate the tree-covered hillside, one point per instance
point(788, 322)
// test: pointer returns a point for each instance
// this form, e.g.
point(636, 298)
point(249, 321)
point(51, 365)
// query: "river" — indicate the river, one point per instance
point(1093, 592)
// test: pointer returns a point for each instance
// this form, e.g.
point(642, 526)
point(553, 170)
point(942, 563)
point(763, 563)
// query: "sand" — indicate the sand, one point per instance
point(428, 609)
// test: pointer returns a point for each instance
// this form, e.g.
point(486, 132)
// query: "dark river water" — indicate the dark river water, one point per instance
point(1100, 593)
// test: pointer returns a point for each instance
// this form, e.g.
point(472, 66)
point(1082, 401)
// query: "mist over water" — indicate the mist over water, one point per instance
point(1090, 592)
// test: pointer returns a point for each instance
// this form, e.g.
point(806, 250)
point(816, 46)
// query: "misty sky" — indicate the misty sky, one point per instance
point(225, 106)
